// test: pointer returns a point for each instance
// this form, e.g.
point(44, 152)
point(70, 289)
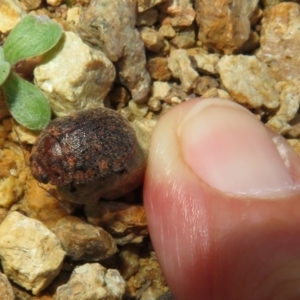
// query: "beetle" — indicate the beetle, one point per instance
point(85, 146)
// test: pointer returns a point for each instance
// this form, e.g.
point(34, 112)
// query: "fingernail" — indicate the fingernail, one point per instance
point(228, 148)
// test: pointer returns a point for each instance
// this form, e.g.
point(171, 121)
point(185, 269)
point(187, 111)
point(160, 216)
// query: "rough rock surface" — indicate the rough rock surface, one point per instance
point(126, 223)
point(83, 241)
point(280, 44)
point(124, 46)
point(181, 67)
point(149, 268)
point(84, 80)
point(129, 260)
point(30, 4)
point(204, 84)
point(268, 3)
point(179, 13)
point(158, 68)
point(161, 90)
point(182, 42)
point(92, 281)
point(6, 290)
point(143, 5)
point(153, 40)
point(13, 169)
point(148, 17)
point(243, 75)
point(205, 63)
point(289, 106)
point(167, 31)
point(54, 2)
point(40, 202)
point(10, 14)
point(31, 255)
point(224, 26)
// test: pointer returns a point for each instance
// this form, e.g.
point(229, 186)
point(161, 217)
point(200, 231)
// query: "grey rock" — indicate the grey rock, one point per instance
point(110, 27)
point(92, 282)
point(83, 241)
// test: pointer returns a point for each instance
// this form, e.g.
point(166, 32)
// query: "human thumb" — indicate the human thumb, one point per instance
point(222, 202)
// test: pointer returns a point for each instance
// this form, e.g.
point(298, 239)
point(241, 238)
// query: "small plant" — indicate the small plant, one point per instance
point(33, 36)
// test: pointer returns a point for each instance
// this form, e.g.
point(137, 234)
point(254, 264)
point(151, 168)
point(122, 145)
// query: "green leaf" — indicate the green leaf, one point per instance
point(2, 54)
point(4, 71)
point(32, 36)
point(26, 103)
point(4, 67)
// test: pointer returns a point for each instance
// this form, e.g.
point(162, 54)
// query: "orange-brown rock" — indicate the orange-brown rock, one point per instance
point(126, 223)
point(224, 26)
point(6, 290)
point(158, 68)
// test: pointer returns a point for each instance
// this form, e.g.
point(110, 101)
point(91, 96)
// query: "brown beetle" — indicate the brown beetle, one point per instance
point(86, 146)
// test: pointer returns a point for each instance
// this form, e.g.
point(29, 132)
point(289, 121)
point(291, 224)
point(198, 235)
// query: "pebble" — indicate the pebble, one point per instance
point(280, 45)
point(40, 202)
point(126, 223)
point(158, 68)
point(31, 255)
point(225, 26)
point(205, 63)
point(73, 14)
point(147, 18)
point(151, 293)
point(138, 110)
point(216, 93)
point(289, 106)
point(268, 3)
point(181, 67)
point(149, 277)
point(178, 13)
point(124, 46)
point(167, 31)
point(30, 4)
point(92, 281)
point(82, 241)
point(10, 14)
point(83, 82)
point(129, 260)
point(250, 73)
point(6, 290)
point(13, 172)
point(204, 84)
point(161, 90)
point(154, 104)
point(54, 2)
point(152, 39)
point(144, 5)
point(182, 42)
